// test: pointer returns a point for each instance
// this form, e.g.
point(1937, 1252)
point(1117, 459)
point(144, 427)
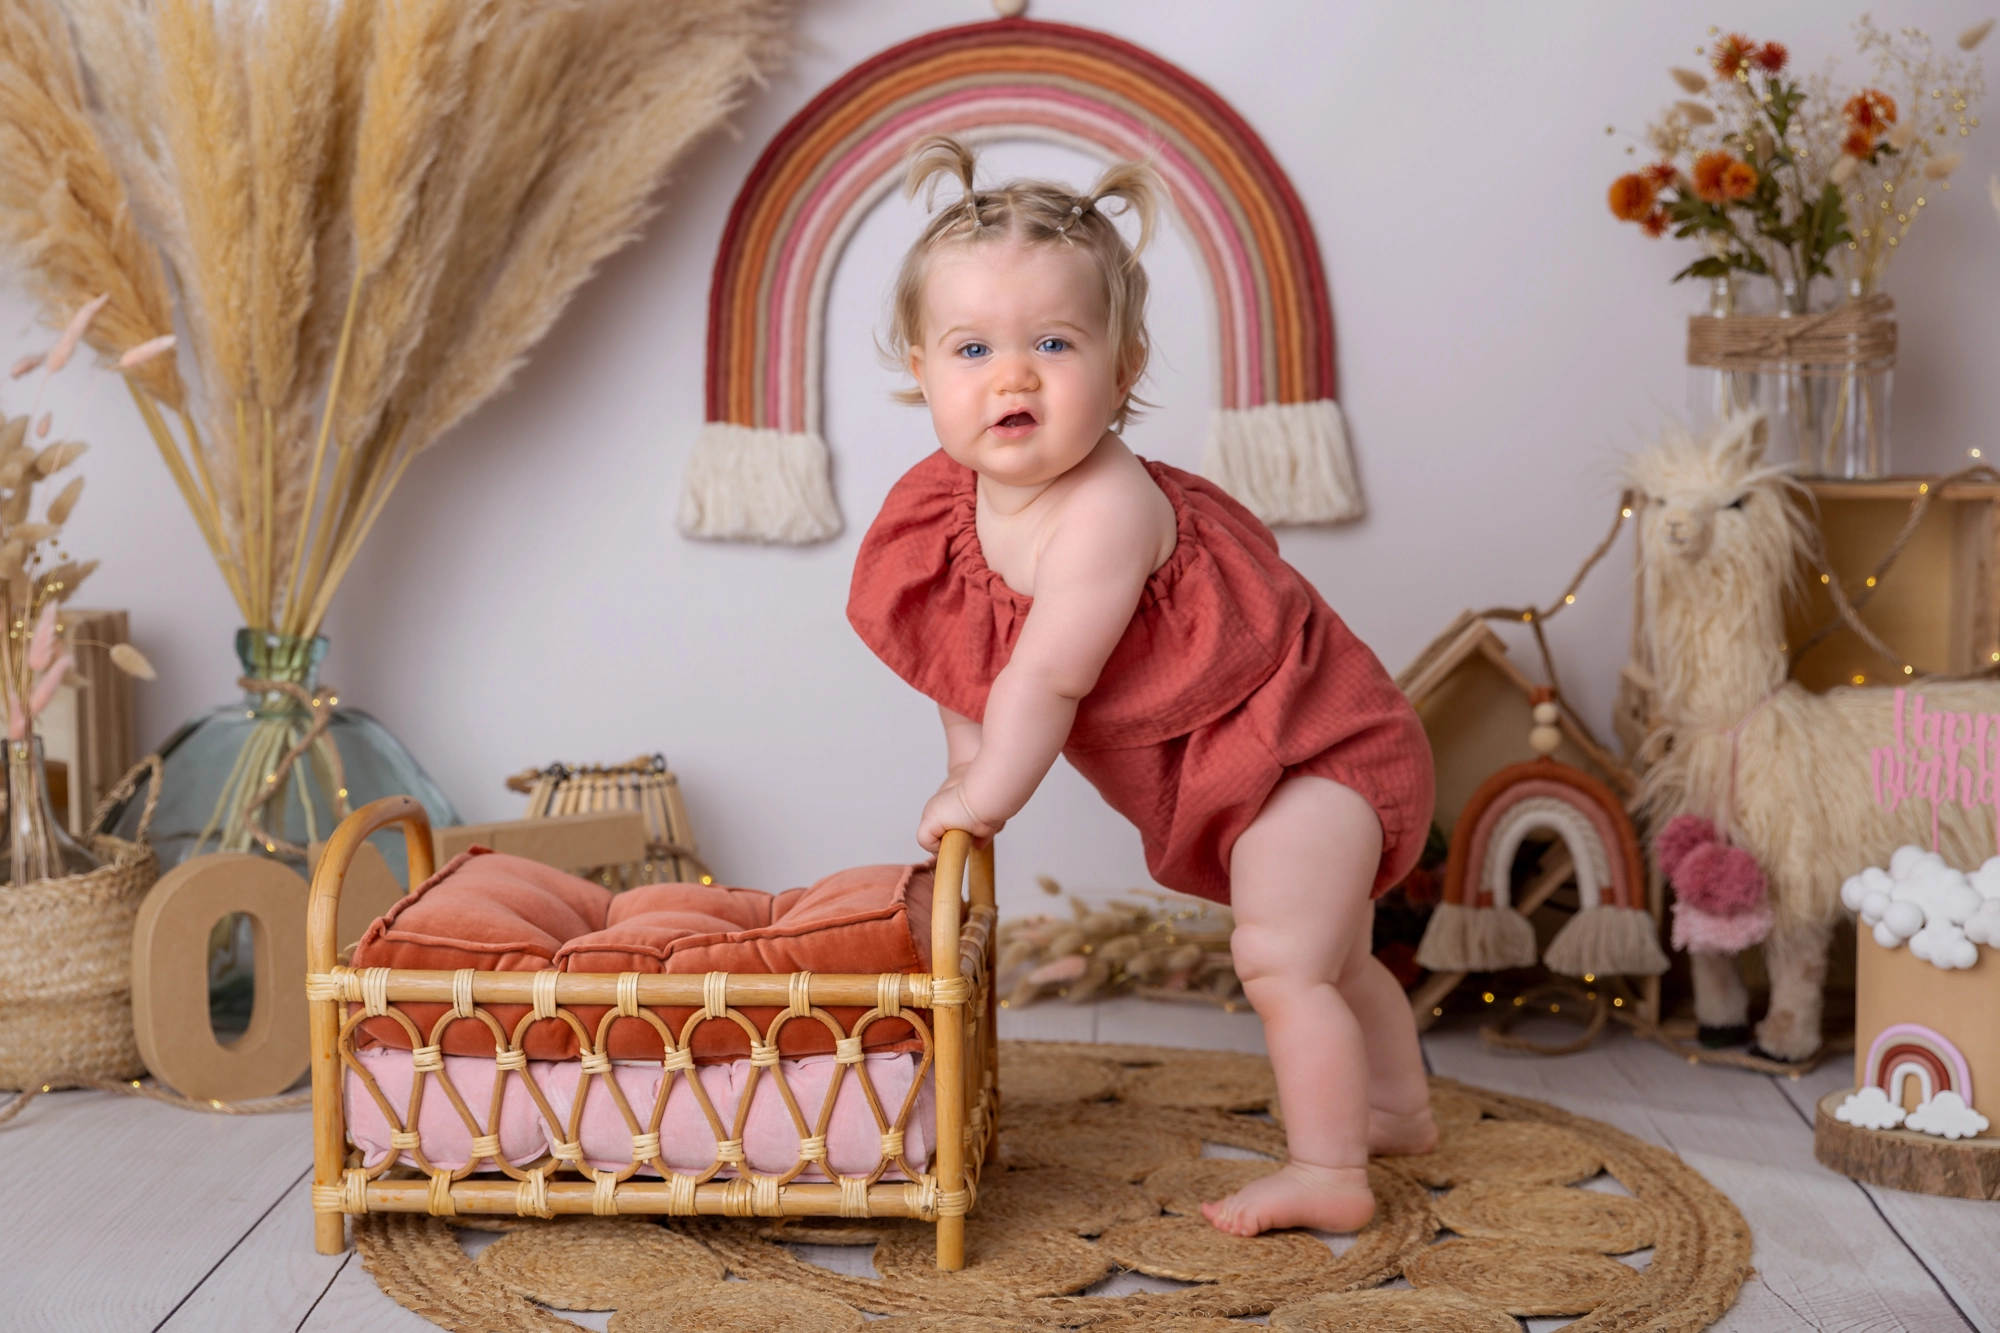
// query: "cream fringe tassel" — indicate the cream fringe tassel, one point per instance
point(1607, 941)
point(748, 483)
point(1476, 939)
point(1287, 463)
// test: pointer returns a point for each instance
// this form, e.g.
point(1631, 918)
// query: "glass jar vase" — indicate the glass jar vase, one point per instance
point(37, 845)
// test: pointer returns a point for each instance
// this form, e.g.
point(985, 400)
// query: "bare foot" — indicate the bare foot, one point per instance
point(1393, 1134)
point(1332, 1198)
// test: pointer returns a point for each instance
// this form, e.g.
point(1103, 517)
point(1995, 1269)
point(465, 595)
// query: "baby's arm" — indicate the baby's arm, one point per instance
point(1087, 583)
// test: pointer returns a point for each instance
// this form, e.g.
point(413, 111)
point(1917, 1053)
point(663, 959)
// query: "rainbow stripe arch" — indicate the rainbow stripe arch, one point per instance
point(1475, 927)
point(760, 470)
point(1903, 1051)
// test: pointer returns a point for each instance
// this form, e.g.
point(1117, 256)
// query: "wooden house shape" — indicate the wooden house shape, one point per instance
point(1477, 708)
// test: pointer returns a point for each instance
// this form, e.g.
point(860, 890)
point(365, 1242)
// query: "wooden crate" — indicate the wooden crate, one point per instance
point(1939, 604)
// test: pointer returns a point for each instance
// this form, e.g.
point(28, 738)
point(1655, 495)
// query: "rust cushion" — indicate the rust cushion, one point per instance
point(857, 920)
point(486, 910)
point(497, 912)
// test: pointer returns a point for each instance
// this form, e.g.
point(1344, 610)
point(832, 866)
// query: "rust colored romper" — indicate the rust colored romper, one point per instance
point(1233, 674)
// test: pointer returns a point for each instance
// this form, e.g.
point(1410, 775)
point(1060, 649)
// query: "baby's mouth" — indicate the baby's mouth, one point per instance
point(1015, 421)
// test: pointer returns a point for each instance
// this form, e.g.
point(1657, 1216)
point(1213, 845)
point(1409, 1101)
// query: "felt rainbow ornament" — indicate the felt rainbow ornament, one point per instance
point(1475, 927)
point(760, 470)
point(1905, 1051)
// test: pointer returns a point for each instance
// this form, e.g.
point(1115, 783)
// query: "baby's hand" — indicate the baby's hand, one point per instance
point(947, 810)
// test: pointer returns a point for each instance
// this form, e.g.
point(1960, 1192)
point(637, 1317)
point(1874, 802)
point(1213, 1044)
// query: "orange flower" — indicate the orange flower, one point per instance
point(1655, 224)
point(1870, 110)
point(1773, 57)
point(1733, 54)
point(1710, 169)
point(1739, 180)
point(1662, 174)
point(1859, 143)
point(1631, 198)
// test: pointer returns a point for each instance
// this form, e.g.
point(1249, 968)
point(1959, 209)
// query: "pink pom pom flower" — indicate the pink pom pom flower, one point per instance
point(1720, 880)
point(1682, 835)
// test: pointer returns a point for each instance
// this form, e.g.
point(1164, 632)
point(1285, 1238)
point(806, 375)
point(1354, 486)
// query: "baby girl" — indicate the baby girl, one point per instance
point(1056, 593)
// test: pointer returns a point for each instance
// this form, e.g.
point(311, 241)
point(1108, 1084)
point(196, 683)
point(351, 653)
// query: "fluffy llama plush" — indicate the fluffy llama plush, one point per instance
point(1783, 773)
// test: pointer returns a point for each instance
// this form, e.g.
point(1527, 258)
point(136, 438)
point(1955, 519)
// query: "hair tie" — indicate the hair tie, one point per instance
point(972, 205)
point(1075, 212)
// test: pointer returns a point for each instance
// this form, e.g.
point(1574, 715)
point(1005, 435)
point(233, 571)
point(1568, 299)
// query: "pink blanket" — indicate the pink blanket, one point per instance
point(770, 1140)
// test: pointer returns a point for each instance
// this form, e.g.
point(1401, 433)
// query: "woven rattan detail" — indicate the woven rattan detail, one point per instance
point(1700, 1257)
point(736, 1307)
point(1579, 1219)
point(1034, 1075)
point(1193, 1251)
point(1217, 1080)
point(1433, 1310)
point(588, 1264)
point(66, 972)
point(1183, 1187)
point(1520, 1153)
point(1523, 1278)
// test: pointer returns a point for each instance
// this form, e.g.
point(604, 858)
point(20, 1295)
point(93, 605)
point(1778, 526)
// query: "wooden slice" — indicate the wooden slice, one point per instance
point(1901, 1159)
point(1522, 1278)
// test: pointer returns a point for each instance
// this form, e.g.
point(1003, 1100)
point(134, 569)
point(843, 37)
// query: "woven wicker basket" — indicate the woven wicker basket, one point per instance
point(66, 961)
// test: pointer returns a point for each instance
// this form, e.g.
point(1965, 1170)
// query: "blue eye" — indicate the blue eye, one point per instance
point(974, 350)
point(1052, 345)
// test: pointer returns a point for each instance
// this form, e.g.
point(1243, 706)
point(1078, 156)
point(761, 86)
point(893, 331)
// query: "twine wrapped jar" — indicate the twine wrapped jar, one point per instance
point(66, 962)
point(1823, 380)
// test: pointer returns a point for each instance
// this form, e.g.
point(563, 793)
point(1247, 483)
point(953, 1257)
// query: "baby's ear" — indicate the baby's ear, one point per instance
point(914, 363)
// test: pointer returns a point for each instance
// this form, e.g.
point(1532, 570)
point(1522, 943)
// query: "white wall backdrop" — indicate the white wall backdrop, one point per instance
point(1501, 339)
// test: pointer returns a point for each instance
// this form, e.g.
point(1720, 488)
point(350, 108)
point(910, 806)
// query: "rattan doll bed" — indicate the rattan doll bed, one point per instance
point(958, 1047)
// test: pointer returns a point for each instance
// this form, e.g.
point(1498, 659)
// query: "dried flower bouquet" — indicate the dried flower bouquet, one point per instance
point(358, 217)
point(1786, 177)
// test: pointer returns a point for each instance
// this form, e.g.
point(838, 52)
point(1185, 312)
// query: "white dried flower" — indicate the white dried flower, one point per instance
point(1942, 165)
point(1843, 170)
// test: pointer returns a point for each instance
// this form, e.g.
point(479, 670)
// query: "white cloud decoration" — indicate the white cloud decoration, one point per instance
point(1870, 1108)
point(1947, 1116)
point(1942, 913)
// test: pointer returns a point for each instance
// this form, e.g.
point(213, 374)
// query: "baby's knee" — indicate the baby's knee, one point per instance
point(1273, 955)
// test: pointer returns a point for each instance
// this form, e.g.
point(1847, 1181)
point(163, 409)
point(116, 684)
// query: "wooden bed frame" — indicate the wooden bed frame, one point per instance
point(959, 1047)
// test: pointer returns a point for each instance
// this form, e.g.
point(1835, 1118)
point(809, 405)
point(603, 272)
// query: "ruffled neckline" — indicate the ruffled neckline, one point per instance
point(969, 556)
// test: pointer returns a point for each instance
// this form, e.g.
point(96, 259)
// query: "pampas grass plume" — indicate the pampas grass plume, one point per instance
point(132, 662)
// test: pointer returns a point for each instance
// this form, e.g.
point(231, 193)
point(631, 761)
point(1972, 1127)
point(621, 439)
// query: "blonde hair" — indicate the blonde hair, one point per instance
point(1032, 212)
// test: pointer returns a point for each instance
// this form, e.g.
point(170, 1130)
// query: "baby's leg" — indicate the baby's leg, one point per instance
point(1342, 1042)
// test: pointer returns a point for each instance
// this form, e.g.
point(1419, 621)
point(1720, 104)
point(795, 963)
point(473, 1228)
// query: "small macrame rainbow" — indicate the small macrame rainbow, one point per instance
point(760, 471)
point(1475, 927)
point(1905, 1051)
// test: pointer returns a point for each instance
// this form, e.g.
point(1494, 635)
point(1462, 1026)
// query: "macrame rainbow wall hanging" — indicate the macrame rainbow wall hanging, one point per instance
point(760, 470)
point(1476, 927)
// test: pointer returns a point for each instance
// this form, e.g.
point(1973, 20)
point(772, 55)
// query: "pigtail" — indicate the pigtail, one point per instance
point(1138, 187)
point(941, 155)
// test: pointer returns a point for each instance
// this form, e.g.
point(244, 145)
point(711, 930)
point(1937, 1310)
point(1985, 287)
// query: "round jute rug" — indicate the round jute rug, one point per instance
point(1065, 1209)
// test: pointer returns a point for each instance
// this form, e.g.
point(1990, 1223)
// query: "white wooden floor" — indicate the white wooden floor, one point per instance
point(124, 1215)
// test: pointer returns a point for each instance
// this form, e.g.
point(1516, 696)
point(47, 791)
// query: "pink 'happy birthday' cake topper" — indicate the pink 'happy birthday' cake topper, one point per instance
point(1939, 756)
